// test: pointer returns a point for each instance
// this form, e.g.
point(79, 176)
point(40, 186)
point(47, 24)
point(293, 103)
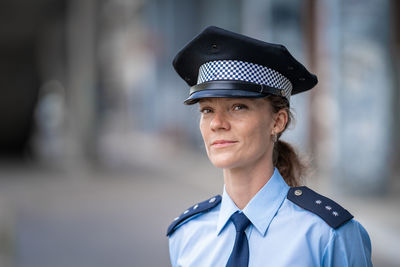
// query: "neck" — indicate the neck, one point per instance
point(242, 184)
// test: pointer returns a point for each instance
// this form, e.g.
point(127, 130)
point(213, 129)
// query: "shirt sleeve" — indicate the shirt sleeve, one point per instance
point(349, 245)
point(172, 252)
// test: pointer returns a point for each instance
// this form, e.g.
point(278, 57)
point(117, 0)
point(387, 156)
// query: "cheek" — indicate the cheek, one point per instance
point(203, 129)
point(257, 137)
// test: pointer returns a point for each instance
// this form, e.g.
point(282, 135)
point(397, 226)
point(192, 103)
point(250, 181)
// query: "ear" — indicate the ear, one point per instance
point(280, 121)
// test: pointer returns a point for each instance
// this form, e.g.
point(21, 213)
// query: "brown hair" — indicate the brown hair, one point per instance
point(284, 156)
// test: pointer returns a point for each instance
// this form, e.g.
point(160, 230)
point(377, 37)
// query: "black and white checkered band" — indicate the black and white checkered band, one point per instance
point(243, 71)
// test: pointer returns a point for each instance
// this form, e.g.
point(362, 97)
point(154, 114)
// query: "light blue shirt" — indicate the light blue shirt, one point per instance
point(281, 234)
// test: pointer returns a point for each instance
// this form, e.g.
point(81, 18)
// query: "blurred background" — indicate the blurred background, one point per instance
point(98, 153)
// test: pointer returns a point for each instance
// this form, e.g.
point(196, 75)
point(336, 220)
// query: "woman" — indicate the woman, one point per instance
point(243, 87)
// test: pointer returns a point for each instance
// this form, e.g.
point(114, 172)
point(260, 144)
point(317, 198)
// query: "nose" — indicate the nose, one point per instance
point(219, 122)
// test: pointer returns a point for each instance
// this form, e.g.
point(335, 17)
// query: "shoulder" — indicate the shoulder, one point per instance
point(328, 210)
point(192, 212)
point(346, 242)
point(350, 245)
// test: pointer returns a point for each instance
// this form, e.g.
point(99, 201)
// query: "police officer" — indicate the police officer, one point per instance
point(263, 218)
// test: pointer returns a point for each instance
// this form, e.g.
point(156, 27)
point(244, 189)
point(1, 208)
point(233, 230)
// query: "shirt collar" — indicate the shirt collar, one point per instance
point(261, 209)
point(228, 207)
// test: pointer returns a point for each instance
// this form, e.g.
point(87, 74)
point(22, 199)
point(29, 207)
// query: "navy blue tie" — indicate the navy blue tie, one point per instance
point(240, 253)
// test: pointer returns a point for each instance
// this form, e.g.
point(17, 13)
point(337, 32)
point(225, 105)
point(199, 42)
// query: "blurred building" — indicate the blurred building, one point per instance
point(80, 77)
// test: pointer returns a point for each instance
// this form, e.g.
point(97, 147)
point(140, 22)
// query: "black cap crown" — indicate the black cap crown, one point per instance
point(220, 63)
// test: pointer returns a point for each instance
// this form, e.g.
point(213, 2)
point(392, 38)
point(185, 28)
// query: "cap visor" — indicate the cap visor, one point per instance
point(215, 93)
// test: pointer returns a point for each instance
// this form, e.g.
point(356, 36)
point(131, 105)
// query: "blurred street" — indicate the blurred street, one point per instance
point(95, 217)
point(118, 217)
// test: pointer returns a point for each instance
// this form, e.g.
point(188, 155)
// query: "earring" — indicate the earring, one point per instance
point(274, 137)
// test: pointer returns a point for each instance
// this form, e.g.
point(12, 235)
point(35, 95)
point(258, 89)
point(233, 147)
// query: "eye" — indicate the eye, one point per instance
point(205, 110)
point(237, 107)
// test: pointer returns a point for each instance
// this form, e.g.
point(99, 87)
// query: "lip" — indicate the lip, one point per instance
point(222, 143)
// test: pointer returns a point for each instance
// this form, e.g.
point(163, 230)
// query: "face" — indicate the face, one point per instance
point(237, 131)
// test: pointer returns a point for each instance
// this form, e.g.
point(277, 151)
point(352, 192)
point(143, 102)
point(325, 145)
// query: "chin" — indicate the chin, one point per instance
point(224, 163)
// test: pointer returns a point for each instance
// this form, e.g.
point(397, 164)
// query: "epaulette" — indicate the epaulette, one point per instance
point(201, 207)
point(331, 212)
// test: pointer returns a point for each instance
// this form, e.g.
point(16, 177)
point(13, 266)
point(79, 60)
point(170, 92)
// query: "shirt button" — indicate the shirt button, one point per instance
point(298, 192)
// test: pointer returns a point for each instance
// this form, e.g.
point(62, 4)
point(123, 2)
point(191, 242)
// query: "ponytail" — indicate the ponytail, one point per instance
point(284, 157)
point(288, 163)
